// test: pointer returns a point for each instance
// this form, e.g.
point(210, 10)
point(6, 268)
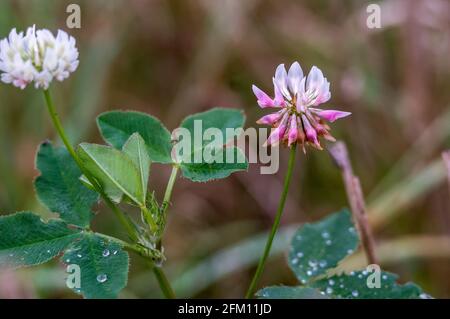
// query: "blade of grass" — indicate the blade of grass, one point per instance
point(403, 194)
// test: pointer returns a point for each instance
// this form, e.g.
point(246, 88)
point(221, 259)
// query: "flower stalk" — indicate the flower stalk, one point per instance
point(276, 224)
point(62, 134)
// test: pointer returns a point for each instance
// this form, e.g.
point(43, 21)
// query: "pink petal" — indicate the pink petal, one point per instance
point(278, 133)
point(270, 118)
point(279, 99)
point(332, 115)
point(293, 130)
point(263, 99)
point(311, 134)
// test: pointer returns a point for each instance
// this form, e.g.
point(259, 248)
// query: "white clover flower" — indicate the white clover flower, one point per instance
point(37, 56)
point(296, 97)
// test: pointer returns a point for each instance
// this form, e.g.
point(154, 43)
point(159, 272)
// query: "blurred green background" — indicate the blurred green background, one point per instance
point(176, 57)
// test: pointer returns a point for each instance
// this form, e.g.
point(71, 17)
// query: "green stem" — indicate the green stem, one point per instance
point(166, 202)
point(163, 282)
point(169, 189)
point(158, 271)
point(276, 223)
point(124, 244)
point(59, 128)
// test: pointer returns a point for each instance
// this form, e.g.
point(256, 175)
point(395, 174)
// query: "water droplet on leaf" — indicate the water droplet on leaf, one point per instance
point(326, 235)
point(102, 278)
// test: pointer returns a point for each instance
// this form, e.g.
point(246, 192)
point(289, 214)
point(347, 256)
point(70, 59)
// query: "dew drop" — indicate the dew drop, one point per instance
point(299, 254)
point(295, 261)
point(48, 251)
point(329, 290)
point(351, 229)
point(355, 293)
point(322, 264)
point(350, 251)
point(67, 260)
point(312, 263)
point(325, 234)
point(331, 282)
point(384, 277)
point(79, 255)
point(106, 253)
point(309, 273)
point(102, 278)
point(115, 252)
point(328, 242)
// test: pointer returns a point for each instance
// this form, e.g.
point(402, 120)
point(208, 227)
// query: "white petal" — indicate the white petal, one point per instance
point(281, 81)
point(324, 94)
point(295, 76)
point(315, 79)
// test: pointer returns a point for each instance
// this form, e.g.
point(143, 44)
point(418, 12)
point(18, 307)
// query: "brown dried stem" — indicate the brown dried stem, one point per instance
point(446, 157)
point(355, 197)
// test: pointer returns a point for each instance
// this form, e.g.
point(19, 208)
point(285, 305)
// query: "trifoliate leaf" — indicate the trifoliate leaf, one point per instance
point(116, 128)
point(59, 186)
point(103, 266)
point(114, 170)
point(320, 246)
point(26, 240)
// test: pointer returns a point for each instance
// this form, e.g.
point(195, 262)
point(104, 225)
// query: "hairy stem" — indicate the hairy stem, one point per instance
point(169, 189)
point(157, 270)
point(140, 250)
point(62, 134)
point(276, 223)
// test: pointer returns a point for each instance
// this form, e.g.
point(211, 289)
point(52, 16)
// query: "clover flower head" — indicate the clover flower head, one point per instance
point(296, 97)
point(37, 56)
